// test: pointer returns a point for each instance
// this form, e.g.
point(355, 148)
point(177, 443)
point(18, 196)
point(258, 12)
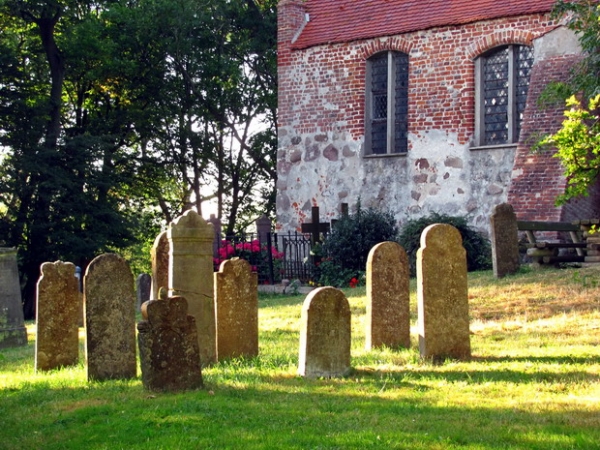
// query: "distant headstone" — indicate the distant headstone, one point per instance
point(12, 325)
point(57, 316)
point(143, 285)
point(160, 264)
point(109, 319)
point(168, 340)
point(191, 275)
point(388, 297)
point(325, 334)
point(236, 300)
point(442, 294)
point(505, 240)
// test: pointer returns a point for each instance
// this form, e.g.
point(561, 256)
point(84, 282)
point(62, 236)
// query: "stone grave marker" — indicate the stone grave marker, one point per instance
point(109, 319)
point(168, 341)
point(325, 334)
point(143, 285)
point(442, 295)
point(236, 301)
point(160, 264)
point(57, 316)
point(505, 240)
point(388, 298)
point(191, 275)
point(12, 325)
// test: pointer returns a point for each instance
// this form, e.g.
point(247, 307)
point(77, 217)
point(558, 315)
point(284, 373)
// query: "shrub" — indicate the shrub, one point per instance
point(345, 250)
point(253, 252)
point(479, 250)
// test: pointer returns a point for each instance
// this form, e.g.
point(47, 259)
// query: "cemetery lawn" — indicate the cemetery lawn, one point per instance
point(533, 383)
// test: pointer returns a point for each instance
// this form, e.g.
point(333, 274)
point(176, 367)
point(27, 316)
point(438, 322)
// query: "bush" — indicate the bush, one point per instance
point(345, 250)
point(479, 250)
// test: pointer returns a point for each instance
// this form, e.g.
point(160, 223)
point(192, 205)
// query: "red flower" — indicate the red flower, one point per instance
point(353, 282)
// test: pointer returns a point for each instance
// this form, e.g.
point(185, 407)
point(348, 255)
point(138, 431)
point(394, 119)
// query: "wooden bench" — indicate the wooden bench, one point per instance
point(545, 252)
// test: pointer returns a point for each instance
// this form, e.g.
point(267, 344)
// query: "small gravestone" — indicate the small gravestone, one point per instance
point(505, 240)
point(12, 325)
point(160, 264)
point(143, 285)
point(109, 319)
point(191, 275)
point(388, 297)
point(442, 295)
point(236, 301)
point(57, 317)
point(325, 334)
point(168, 342)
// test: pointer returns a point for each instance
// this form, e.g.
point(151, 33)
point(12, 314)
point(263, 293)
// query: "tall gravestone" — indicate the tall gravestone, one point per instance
point(109, 319)
point(191, 276)
point(57, 316)
point(325, 334)
point(12, 325)
point(442, 295)
point(143, 288)
point(160, 264)
point(388, 297)
point(168, 341)
point(504, 235)
point(236, 301)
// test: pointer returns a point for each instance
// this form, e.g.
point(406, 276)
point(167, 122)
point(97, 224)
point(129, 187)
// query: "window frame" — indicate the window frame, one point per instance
point(391, 105)
point(512, 110)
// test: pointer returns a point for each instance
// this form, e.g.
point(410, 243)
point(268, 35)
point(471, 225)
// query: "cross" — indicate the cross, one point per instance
point(315, 228)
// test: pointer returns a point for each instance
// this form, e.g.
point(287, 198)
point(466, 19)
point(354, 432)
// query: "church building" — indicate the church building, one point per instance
point(420, 106)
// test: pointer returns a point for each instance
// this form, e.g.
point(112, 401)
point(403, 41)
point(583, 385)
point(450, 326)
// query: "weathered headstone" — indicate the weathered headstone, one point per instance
point(388, 297)
point(143, 285)
point(168, 340)
point(236, 301)
point(57, 316)
point(191, 275)
point(442, 295)
point(325, 334)
point(109, 319)
point(12, 325)
point(160, 263)
point(505, 240)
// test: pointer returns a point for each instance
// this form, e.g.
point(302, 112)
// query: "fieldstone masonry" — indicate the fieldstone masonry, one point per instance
point(160, 263)
point(12, 326)
point(236, 301)
point(388, 298)
point(109, 319)
point(168, 340)
point(442, 295)
point(191, 275)
point(505, 240)
point(325, 334)
point(57, 316)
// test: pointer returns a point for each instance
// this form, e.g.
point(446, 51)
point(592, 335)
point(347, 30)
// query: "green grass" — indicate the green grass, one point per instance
point(533, 383)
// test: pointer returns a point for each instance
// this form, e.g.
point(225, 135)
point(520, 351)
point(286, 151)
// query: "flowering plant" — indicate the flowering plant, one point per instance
point(253, 252)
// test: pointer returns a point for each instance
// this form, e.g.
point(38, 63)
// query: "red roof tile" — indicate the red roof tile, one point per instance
point(334, 21)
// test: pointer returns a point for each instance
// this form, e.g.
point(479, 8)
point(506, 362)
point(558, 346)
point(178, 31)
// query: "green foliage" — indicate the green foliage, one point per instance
point(478, 248)
point(345, 250)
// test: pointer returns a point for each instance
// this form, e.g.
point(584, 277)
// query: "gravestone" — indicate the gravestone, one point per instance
point(442, 295)
point(168, 340)
point(388, 298)
point(160, 263)
point(504, 235)
point(12, 325)
point(236, 301)
point(57, 316)
point(325, 334)
point(191, 275)
point(143, 284)
point(109, 319)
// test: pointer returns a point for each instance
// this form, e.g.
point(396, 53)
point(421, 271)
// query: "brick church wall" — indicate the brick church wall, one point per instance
point(321, 127)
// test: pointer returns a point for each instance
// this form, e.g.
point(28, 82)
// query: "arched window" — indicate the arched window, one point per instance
point(386, 104)
point(502, 82)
